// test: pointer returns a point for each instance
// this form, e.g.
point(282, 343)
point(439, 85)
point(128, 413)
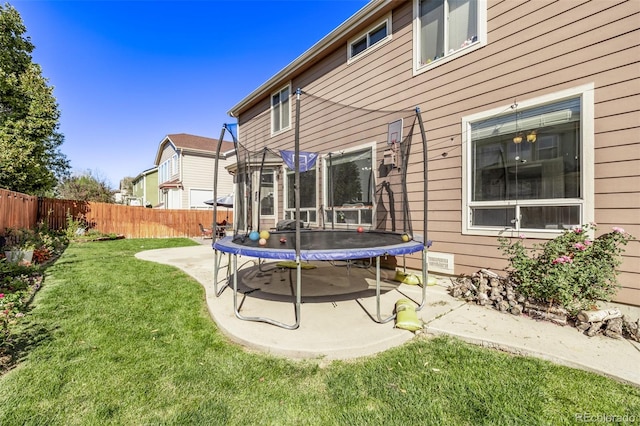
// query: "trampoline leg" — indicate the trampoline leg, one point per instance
point(379, 316)
point(235, 286)
point(425, 277)
point(216, 269)
point(264, 319)
point(298, 292)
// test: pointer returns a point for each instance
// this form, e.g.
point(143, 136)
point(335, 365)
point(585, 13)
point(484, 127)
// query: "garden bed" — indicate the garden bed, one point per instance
point(486, 288)
point(19, 283)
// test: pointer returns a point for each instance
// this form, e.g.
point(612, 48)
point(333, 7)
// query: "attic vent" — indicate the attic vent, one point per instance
point(441, 262)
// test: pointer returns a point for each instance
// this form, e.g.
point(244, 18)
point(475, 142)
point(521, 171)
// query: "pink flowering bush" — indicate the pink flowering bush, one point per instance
point(574, 270)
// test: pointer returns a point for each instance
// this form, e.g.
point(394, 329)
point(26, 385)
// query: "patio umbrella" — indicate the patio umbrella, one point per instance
point(225, 201)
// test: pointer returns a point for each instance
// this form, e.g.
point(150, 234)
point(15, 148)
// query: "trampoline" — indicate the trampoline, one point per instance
point(318, 245)
point(370, 195)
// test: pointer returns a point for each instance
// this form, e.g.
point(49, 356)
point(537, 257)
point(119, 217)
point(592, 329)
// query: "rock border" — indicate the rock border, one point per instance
point(487, 288)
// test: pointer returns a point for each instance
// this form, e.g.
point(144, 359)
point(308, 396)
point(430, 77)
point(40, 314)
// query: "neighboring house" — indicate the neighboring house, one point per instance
point(486, 75)
point(145, 188)
point(186, 167)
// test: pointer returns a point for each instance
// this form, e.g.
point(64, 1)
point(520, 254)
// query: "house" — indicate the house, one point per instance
point(145, 188)
point(185, 166)
point(531, 111)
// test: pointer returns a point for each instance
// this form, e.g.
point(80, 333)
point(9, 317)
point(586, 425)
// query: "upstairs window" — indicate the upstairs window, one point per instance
point(163, 171)
point(446, 27)
point(280, 110)
point(373, 37)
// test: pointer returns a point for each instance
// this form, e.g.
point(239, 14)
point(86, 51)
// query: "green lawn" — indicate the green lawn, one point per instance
point(116, 340)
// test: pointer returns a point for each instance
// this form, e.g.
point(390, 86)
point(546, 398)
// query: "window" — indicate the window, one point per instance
point(164, 171)
point(528, 169)
point(280, 110)
point(197, 198)
point(445, 27)
point(307, 195)
point(174, 164)
point(379, 33)
point(267, 207)
point(350, 187)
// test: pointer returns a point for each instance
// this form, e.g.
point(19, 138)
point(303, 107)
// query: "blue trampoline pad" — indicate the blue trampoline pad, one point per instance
point(321, 245)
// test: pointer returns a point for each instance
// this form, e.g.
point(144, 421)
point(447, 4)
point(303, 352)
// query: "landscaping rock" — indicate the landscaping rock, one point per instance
point(486, 288)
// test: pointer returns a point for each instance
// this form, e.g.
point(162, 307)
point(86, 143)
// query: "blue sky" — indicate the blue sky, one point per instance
point(125, 74)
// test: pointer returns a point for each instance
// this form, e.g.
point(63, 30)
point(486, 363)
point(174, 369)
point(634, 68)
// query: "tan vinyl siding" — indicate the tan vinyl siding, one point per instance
point(198, 174)
point(197, 171)
point(167, 153)
point(534, 49)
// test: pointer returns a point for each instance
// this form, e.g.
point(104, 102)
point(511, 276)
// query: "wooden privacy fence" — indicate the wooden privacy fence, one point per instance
point(17, 210)
point(24, 211)
point(140, 222)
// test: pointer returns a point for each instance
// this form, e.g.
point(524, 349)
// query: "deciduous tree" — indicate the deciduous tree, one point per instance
point(86, 187)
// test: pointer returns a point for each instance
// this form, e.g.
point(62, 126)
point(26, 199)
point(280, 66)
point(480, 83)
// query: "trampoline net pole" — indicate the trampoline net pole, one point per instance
point(259, 208)
point(425, 254)
point(425, 173)
point(214, 223)
point(297, 175)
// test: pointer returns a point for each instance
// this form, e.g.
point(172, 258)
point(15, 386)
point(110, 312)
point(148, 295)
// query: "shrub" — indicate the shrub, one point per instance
point(19, 239)
point(44, 242)
point(75, 226)
point(12, 295)
point(19, 281)
point(573, 270)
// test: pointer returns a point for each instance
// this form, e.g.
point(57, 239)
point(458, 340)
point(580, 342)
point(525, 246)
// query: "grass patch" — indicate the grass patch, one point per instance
point(117, 340)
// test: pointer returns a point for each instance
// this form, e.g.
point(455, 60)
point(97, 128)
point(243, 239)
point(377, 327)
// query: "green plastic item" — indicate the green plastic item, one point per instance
point(413, 279)
point(410, 279)
point(293, 265)
point(406, 315)
point(403, 304)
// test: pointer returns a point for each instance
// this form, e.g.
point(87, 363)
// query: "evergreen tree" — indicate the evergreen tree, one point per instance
point(30, 159)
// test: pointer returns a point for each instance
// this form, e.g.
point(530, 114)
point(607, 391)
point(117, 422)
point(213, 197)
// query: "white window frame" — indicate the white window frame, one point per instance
point(325, 185)
point(163, 171)
point(586, 201)
point(281, 129)
point(290, 211)
point(273, 173)
point(174, 165)
point(386, 21)
point(201, 195)
point(418, 67)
